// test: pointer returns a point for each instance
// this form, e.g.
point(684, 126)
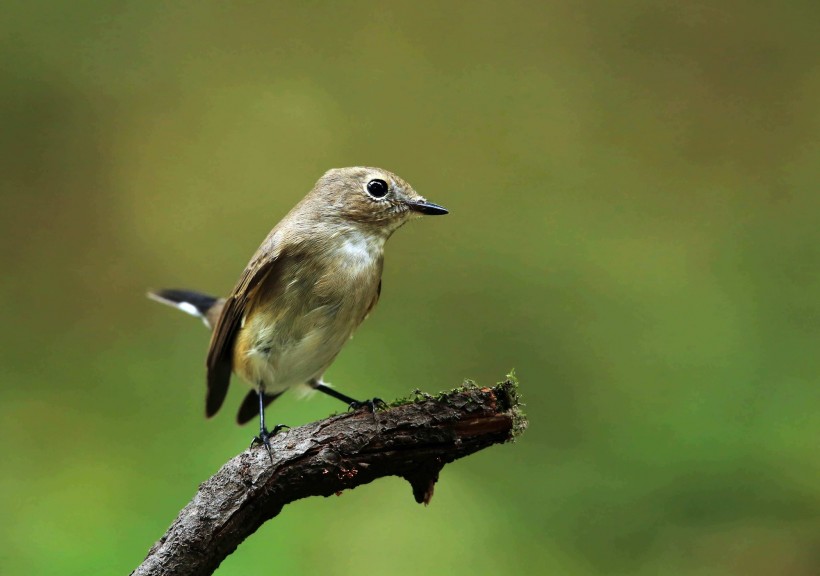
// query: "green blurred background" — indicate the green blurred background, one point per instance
point(633, 228)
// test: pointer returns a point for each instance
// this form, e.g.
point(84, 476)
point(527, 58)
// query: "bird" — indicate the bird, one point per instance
point(311, 283)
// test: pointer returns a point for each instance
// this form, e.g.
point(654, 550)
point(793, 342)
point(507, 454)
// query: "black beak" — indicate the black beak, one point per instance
point(427, 208)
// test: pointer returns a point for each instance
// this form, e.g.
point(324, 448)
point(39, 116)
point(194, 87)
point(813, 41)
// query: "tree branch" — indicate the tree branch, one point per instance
point(412, 439)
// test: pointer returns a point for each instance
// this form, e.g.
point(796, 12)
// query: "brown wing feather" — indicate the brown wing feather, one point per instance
point(220, 352)
point(373, 302)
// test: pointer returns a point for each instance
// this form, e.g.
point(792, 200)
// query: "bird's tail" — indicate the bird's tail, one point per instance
point(196, 304)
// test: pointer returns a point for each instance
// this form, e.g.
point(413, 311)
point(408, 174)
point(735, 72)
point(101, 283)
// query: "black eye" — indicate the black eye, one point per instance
point(377, 188)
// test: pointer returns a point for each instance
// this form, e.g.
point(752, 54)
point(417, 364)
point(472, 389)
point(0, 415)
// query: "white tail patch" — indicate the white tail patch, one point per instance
point(188, 308)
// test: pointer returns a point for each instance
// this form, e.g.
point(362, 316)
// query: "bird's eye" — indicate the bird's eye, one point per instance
point(377, 188)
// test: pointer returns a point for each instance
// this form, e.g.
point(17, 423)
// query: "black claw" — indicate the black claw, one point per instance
point(278, 428)
point(264, 440)
point(374, 404)
point(265, 436)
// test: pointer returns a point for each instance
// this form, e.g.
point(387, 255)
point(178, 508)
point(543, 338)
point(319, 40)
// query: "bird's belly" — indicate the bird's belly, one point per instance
point(303, 317)
point(293, 362)
point(277, 350)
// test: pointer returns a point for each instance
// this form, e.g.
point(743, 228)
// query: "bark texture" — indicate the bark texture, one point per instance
point(413, 439)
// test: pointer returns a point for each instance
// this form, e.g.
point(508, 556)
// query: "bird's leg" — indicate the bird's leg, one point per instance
point(265, 436)
point(373, 403)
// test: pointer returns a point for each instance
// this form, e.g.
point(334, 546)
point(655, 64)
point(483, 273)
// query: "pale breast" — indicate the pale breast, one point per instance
point(357, 255)
point(318, 304)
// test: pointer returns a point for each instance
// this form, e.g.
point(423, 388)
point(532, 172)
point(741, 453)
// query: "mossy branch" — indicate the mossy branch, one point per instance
point(413, 439)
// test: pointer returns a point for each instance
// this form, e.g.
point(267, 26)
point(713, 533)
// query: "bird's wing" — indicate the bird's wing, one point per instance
point(373, 302)
point(220, 352)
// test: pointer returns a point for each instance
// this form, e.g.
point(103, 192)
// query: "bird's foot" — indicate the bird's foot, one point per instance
point(265, 436)
point(373, 404)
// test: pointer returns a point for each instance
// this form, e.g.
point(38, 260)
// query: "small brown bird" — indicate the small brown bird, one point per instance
point(310, 284)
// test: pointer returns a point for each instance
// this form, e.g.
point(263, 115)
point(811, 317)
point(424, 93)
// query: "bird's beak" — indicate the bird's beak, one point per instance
point(426, 207)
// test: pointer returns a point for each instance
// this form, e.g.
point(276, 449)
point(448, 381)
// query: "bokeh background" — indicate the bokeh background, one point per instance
point(633, 228)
